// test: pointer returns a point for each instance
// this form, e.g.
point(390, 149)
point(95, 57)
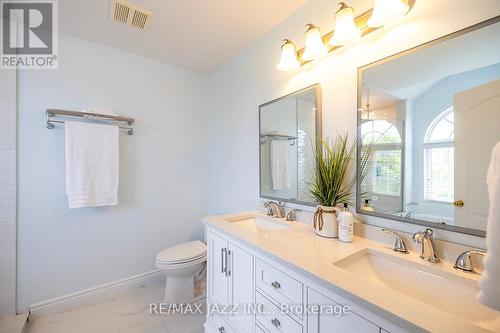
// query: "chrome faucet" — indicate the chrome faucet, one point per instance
point(428, 249)
point(275, 209)
point(409, 215)
point(292, 214)
point(464, 262)
point(399, 245)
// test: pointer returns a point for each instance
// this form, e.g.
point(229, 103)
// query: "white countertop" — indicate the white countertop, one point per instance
point(313, 256)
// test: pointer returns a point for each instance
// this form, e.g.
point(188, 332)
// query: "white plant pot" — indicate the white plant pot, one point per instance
point(330, 228)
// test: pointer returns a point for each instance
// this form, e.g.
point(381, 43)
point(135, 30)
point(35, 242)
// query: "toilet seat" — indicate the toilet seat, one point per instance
point(201, 256)
point(169, 265)
point(184, 253)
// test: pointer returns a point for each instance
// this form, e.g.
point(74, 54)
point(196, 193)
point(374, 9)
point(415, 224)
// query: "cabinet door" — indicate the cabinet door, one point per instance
point(241, 286)
point(325, 321)
point(217, 324)
point(218, 284)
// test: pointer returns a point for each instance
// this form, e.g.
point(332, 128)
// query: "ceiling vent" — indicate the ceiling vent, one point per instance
point(130, 14)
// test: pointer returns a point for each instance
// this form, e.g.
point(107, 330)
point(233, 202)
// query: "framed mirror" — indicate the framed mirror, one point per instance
point(429, 118)
point(288, 130)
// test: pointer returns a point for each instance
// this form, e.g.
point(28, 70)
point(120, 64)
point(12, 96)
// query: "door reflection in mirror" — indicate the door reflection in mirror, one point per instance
point(431, 116)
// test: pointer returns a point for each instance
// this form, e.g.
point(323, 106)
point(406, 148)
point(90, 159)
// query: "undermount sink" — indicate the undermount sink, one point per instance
point(453, 293)
point(259, 224)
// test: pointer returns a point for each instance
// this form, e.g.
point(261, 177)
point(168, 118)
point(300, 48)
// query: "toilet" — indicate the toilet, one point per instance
point(181, 264)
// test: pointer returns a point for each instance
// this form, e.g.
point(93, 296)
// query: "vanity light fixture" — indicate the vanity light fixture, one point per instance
point(314, 48)
point(386, 10)
point(345, 28)
point(289, 60)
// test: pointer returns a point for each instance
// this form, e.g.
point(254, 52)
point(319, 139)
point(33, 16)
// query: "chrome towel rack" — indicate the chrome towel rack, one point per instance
point(55, 113)
point(266, 138)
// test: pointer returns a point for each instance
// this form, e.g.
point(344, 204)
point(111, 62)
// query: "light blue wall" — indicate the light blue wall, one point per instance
point(162, 193)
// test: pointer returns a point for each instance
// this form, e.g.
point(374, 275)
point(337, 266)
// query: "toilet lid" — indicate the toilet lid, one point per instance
point(183, 252)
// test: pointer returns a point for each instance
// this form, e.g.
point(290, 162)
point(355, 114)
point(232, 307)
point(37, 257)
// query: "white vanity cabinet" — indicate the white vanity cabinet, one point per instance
point(323, 320)
point(217, 260)
point(243, 278)
point(231, 284)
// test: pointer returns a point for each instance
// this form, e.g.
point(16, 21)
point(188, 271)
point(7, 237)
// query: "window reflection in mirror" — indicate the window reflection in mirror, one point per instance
point(384, 173)
point(432, 117)
point(289, 127)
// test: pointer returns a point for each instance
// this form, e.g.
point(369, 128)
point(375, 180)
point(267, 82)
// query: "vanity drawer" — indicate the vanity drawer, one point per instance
point(259, 329)
point(280, 286)
point(219, 325)
point(271, 318)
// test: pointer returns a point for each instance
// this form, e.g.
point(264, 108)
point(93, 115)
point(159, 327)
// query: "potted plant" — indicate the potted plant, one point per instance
point(333, 181)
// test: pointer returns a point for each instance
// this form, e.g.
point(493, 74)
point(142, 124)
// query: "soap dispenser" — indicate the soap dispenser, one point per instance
point(346, 225)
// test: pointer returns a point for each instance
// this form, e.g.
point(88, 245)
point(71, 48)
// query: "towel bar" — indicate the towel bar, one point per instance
point(52, 113)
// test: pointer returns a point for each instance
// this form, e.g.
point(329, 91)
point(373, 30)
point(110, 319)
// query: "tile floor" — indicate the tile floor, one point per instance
point(127, 313)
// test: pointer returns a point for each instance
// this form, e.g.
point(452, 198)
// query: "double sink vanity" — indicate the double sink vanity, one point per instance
point(427, 121)
point(270, 275)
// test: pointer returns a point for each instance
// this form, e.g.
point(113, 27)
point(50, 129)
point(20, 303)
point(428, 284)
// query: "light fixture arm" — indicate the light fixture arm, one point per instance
point(342, 5)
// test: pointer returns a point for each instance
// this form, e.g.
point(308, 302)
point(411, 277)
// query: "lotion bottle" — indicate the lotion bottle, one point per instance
point(346, 225)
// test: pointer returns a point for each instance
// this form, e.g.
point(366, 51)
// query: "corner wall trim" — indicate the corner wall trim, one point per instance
point(82, 297)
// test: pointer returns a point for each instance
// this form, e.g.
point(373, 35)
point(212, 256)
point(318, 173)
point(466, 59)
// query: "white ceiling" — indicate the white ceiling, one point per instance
point(200, 35)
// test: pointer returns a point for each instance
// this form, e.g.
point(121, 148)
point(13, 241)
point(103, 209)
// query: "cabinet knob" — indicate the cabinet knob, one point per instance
point(459, 203)
point(276, 285)
point(276, 322)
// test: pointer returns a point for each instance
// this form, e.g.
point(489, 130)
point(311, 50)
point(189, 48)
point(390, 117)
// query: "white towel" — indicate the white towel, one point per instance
point(489, 284)
point(91, 164)
point(280, 164)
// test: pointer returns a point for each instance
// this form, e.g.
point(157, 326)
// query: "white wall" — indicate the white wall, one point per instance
point(7, 192)
point(252, 79)
point(162, 170)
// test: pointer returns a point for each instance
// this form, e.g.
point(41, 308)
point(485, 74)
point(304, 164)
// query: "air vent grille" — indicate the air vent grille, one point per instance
point(121, 13)
point(124, 12)
point(139, 19)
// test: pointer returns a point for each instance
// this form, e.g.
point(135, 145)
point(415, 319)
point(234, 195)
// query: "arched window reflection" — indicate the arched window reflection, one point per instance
point(384, 176)
point(439, 158)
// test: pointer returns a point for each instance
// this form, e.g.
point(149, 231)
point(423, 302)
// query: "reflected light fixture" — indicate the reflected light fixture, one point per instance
point(289, 60)
point(345, 28)
point(314, 48)
point(386, 10)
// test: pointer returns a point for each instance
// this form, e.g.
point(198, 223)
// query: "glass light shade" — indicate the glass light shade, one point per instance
point(345, 28)
point(288, 59)
point(314, 48)
point(386, 10)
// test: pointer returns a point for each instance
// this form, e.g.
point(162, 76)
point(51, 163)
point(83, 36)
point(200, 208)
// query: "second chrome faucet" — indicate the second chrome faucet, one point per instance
point(428, 248)
point(425, 238)
point(275, 209)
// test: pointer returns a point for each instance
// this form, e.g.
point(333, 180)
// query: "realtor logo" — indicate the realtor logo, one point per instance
point(29, 34)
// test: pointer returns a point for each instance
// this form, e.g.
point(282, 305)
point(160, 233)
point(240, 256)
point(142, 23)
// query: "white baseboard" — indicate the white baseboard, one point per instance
point(96, 293)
